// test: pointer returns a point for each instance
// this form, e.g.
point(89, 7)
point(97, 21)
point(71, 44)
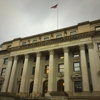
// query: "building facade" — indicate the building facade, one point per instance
point(65, 60)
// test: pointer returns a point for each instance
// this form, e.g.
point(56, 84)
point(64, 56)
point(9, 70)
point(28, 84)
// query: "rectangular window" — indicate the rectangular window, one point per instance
point(76, 54)
point(97, 28)
point(33, 71)
point(73, 33)
point(34, 41)
point(5, 60)
point(24, 43)
point(3, 71)
point(99, 46)
point(0, 86)
point(58, 35)
point(76, 66)
point(61, 56)
point(46, 69)
point(47, 57)
point(61, 68)
point(78, 86)
point(46, 38)
point(34, 59)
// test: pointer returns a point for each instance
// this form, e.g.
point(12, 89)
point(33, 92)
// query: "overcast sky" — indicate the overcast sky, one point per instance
point(22, 18)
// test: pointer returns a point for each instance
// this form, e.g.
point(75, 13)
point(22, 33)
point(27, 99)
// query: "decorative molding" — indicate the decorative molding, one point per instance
point(19, 79)
point(51, 52)
point(45, 75)
point(66, 49)
point(82, 47)
point(57, 40)
point(26, 56)
point(60, 74)
point(38, 54)
point(90, 45)
point(2, 79)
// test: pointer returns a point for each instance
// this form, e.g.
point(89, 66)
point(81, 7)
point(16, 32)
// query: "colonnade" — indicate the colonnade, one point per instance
point(9, 78)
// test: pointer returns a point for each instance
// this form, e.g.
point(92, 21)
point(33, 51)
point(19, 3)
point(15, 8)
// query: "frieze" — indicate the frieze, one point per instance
point(58, 40)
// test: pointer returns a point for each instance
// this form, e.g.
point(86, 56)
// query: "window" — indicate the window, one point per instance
point(76, 54)
point(78, 86)
point(21, 72)
point(5, 60)
point(34, 59)
point(61, 68)
point(0, 86)
point(73, 33)
point(76, 66)
point(46, 38)
point(59, 36)
point(99, 46)
point(34, 41)
point(3, 71)
point(33, 71)
point(61, 56)
point(47, 57)
point(24, 43)
point(46, 69)
point(97, 28)
point(9, 46)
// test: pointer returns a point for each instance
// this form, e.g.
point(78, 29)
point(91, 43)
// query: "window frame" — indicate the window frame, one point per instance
point(60, 68)
point(5, 60)
point(76, 67)
point(35, 41)
point(23, 43)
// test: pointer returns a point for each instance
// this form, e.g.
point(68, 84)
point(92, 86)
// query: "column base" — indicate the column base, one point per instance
point(35, 95)
point(47, 95)
point(23, 95)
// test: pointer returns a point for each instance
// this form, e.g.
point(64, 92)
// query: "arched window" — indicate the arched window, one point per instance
point(45, 87)
point(31, 87)
point(60, 85)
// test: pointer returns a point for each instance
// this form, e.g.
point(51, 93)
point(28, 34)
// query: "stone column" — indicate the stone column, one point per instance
point(37, 74)
point(93, 69)
point(24, 75)
point(51, 71)
point(7, 75)
point(10, 87)
point(66, 71)
point(85, 79)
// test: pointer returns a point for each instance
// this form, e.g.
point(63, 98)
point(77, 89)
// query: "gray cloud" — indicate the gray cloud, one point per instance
point(21, 18)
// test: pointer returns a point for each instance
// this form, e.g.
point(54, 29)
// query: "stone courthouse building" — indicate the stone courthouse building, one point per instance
point(52, 64)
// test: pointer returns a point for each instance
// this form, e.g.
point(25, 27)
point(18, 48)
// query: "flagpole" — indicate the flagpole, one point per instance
point(57, 16)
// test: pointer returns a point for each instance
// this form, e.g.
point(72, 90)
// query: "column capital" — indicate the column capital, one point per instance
point(51, 52)
point(38, 54)
point(82, 46)
point(10, 58)
point(90, 45)
point(15, 57)
point(26, 56)
point(66, 49)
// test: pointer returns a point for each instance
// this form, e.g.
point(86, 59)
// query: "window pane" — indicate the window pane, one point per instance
point(78, 86)
point(34, 41)
point(59, 36)
point(46, 38)
point(24, 43)
point(5, 60)
point(76, 64)
point(73, 33)
point(47, 57)
point(61, 68)
point(77, 68)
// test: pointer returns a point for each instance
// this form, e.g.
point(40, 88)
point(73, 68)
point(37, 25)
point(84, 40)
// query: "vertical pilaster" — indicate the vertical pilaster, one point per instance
point(93, 69)
point(66, 70)
point(7, 75)
point(10, 87)
point(37, 73)
point(24, 75)
point(51, 71)
point(85, 79)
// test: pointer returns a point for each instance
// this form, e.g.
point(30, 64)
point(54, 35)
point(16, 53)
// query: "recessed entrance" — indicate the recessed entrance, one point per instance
point(60, 85)
point(31, 87)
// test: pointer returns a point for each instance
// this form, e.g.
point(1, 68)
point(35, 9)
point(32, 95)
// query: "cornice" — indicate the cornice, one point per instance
point(58, 40)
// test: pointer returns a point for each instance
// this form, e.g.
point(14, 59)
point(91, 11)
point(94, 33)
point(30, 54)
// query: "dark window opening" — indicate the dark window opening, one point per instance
point(31, 87)
point(47, 57)
point(34, 59)
point(78, 86)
